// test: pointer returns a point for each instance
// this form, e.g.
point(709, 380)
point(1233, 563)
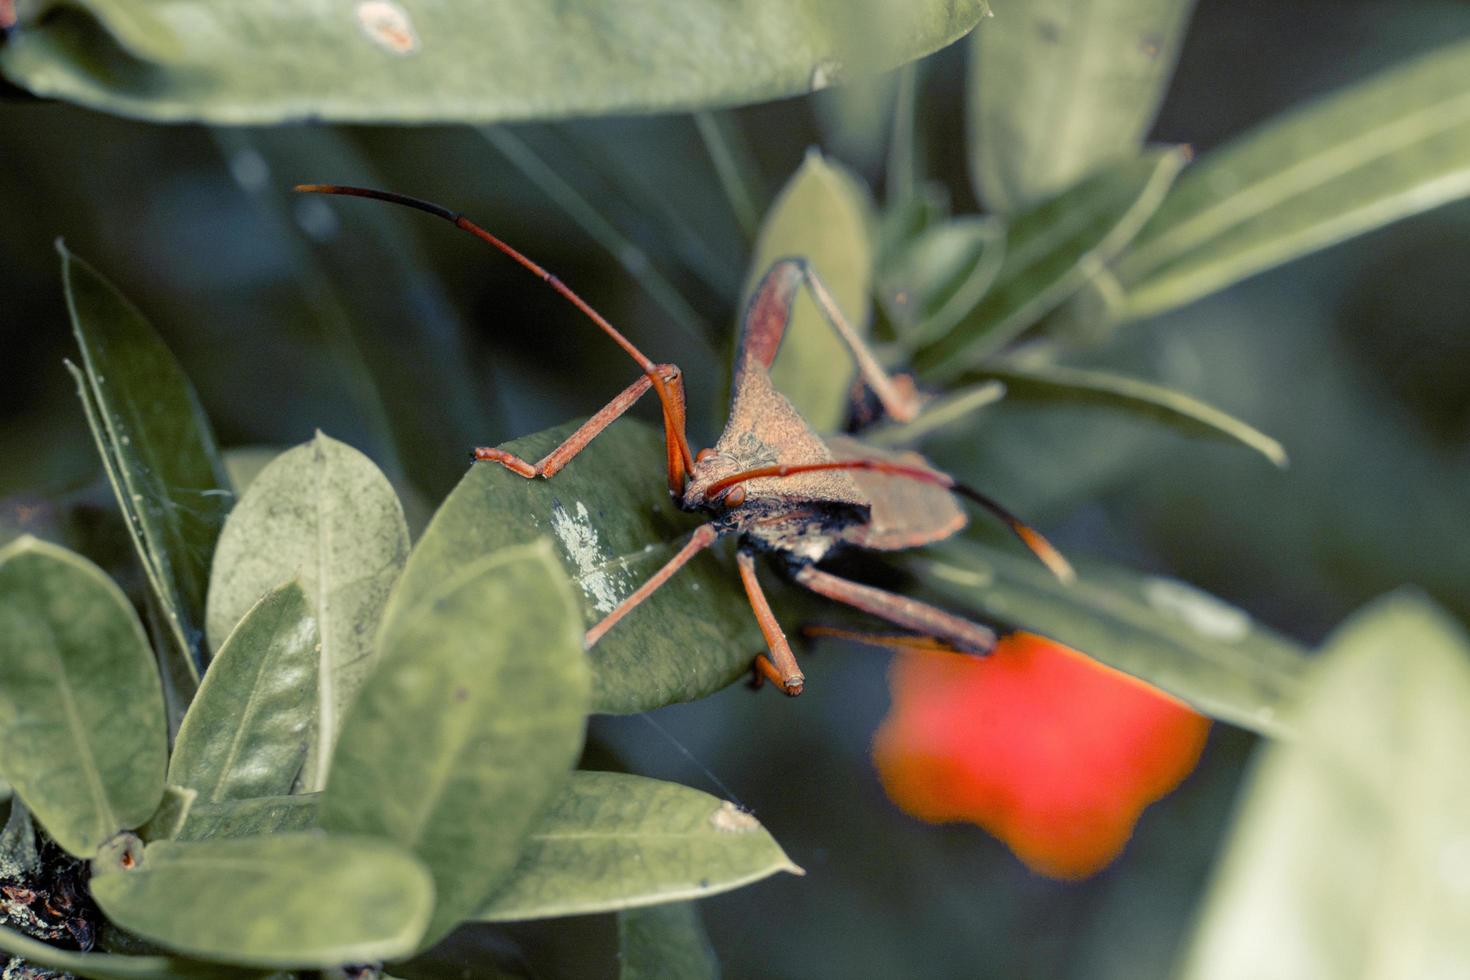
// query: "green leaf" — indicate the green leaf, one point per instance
point(1050, 382)
point(172, 813)
point(1172, 635)
point(112, 966)
point(469, 724)
point(667, 942)
point(1383, 149)
point(156, 447)
point(822, 215)
point(414, 61)
point(1059, 88)
point(615, 526)
point(614, 841)
point(82, 736)
point(284, 901)
point(1051, 251)
point(322, 511)
point(251, 818)
point(1348, 857)
point(942, 275)
point(246, 733)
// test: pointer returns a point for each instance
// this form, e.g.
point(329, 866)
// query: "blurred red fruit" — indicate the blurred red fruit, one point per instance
point(1048, 750)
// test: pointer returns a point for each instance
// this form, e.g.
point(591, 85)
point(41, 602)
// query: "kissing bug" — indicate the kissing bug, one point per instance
point(771, 480)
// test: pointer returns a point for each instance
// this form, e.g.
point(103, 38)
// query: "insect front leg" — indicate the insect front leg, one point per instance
point(552, 463)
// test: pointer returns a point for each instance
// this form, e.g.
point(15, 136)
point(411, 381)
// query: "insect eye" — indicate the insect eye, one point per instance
point(735, 497)
point(703, 455)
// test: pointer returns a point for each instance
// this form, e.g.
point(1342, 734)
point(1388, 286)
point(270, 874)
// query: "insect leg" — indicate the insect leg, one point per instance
point(781, 668)
point(702, 538)
point(769, 314)
point(899, 610)
point(552, 463)
point(893, 641)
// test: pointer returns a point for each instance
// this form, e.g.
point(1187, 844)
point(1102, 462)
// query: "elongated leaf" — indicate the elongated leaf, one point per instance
point(614, 841)
point(1170, 634)
point(1348, 856)
point(822, 215)
point(82, 735)
point(1051, 382)
point(322, 511)
point(483, 61)
point(246, 733)
point(251, 818)
point(156, 447)
point(667, 942)
point(113, 966)
point(943, 274)
point(469, 725)
point(1386, 148)
point(1050, 252)
point(288, 900)
point(1059, 88)
point(615, 526)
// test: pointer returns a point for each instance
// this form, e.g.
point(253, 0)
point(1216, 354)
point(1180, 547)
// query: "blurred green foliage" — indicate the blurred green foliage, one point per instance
point(292, 314)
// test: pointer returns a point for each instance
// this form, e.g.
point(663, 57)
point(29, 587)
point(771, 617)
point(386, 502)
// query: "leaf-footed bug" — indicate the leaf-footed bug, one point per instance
point(770, 479)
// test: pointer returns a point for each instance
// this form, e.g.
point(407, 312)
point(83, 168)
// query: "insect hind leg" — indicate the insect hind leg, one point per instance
point(900, 610)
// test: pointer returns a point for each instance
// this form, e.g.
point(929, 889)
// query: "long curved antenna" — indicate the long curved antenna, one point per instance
point(673, 413)
point(1030, 537)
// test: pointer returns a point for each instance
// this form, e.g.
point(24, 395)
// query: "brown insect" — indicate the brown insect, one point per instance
point(770, 479)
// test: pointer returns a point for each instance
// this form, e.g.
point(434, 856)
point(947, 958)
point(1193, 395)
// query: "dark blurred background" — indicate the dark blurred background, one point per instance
point(395, 334)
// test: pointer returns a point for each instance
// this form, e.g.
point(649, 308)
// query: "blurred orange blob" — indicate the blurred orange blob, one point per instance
point(1048, 750)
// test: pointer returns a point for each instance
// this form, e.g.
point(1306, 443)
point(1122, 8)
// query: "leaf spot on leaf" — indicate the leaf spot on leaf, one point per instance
point(583, 548)
point(387, 24)
point(1200, 611)
point(730, 819)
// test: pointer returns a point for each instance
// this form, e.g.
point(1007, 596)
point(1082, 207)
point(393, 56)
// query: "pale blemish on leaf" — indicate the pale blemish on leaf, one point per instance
point(583, 548)
point(730, 819)
point(388, 25)
point(1200, 611)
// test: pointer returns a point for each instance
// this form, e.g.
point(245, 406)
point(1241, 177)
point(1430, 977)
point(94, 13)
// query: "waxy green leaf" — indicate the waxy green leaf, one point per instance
point(1050, 251)
point(1386, 148)
point(613, 841)
point(82, 731)
point(322, 511)
point(457, 61)
point(246, 733)
point(665, 942)
point(172, 813)
point(1348, 855)
point(158, 452)
point(821, 215)
point(284, 901)
point(252, 817)
point(941, 275)
point(469, 724)
point(614, 525)
point(1170, 634)
point(1059, 88)
point(114, 966)
point(1054, 383)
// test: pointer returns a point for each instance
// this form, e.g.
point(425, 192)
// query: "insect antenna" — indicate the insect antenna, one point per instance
point(1030, 537)
point(672, 410)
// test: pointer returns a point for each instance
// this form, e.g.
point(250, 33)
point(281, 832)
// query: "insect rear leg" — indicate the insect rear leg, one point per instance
point(552, 463)
point(900, 610)
point(781, 668)
point(769, 315)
